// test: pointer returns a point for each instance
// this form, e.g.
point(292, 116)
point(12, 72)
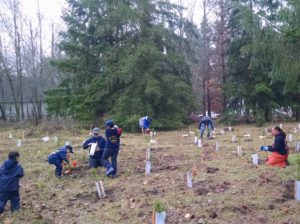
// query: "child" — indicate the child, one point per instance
point(95, 159)
point(112, 134)
point(10, 173)
point(56, 158)
point(145, 123)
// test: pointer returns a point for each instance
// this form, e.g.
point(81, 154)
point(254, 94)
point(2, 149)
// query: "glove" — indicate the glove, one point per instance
point(264, 148)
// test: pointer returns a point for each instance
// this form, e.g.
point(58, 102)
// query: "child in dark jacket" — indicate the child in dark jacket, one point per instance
point(95, 159)
point(112, 134)
point(10, 173)
point(56, 158)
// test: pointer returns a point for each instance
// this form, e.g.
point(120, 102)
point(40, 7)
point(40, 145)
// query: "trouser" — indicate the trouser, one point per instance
point(14, 198)
point(202, 129)
point(96, 162)
point(276, 159)
point(113, 153)
point(58, 166)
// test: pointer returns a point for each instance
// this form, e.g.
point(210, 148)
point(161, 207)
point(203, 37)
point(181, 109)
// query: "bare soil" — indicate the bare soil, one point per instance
point(227, 188)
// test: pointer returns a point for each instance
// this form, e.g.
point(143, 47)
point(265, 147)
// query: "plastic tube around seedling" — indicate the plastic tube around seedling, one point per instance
point(148, 154)
point(295, 131)
point(10, 135)
point(297, 146)
point(222, 132)
point(55, 139)
point(19, 142)
point(255, 159)
point(280, 125)
point(151, 134)
point(189, 182)
point(148, 167)
point(230, 128)
point(46, 139)
point(199, 143)
point(217, 146)
point(233, 139)
point(290, 137)
point(93, 148)
point(102, 189)
point(239, 150)
point(195, 140)
point(160, 217)
point(297, 190)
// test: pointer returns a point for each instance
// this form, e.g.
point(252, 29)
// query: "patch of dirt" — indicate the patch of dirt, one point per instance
point(288, 192)
point(211, 170)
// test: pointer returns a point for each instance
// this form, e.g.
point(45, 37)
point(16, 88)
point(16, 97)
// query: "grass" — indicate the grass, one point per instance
point(227, 188)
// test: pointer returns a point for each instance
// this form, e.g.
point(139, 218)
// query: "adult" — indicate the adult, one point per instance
point(95, 158)
point(145, 123)
point(279, 149)
point(205, 122)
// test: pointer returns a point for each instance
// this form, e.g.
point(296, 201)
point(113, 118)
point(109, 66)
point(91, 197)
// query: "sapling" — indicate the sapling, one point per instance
point(99, 184)
point(160, 213)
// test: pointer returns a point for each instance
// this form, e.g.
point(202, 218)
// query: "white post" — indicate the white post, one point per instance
point(55, 138)
point(255, 159)
point(297, 146)
point(222, 132)
point(10, 135)
point(160, 217)
point(280, 125)
point(295, 131)
point(230, 128)
point(189, 179)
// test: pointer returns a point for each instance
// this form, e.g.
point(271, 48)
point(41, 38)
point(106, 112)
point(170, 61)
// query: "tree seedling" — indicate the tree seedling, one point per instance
point(159, 213)
point(99, 184)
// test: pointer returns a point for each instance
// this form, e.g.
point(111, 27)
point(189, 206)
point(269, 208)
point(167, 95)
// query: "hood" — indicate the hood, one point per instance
point(9, 165)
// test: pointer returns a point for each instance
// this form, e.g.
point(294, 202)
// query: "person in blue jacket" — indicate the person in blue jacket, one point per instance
point(56, 158)
point(205, 122)
point(95, 159)
point(10, 173)
point(113, 134)
point(145, 123)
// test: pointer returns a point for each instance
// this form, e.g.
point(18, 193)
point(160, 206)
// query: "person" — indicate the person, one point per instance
point(205, 122)
point(95, 158)
point(145, 123)
point(10, 173)
point(279, 149)
point(57, 158)
point(113, 134)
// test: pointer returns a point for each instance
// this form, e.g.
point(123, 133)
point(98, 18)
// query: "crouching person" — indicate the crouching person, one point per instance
point(10, 173)
point(95, 159)
point(279, 149)
point(112, 134)
point(56, 158)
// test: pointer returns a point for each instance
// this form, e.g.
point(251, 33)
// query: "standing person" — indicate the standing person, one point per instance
point(10, 173)
point(145, 123)
point(206, 122)
point(95, 159)
point(56, 158)
point(113, 134)
point(279, 149)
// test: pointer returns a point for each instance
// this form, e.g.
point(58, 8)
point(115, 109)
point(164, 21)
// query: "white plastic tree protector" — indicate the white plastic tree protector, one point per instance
point(148, 167)
point(160, 217)
point(233, 139)
point(46, 139)
point(148, 154)
point(217, 146)
point(10, 135)
point(93, 148)
point(239, 150)
point(199, 143)
point(297, 190)
point(290, 137)
point(19, 142)
point(189, 182)
point(195, 140)
point(255, 159)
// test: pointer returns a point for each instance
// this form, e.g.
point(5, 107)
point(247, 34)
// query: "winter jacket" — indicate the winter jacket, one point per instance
point(112, 137)
point(206, 121)
point(10, 173)
point(279, 145)
point(60, 155)
point(100, 142)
